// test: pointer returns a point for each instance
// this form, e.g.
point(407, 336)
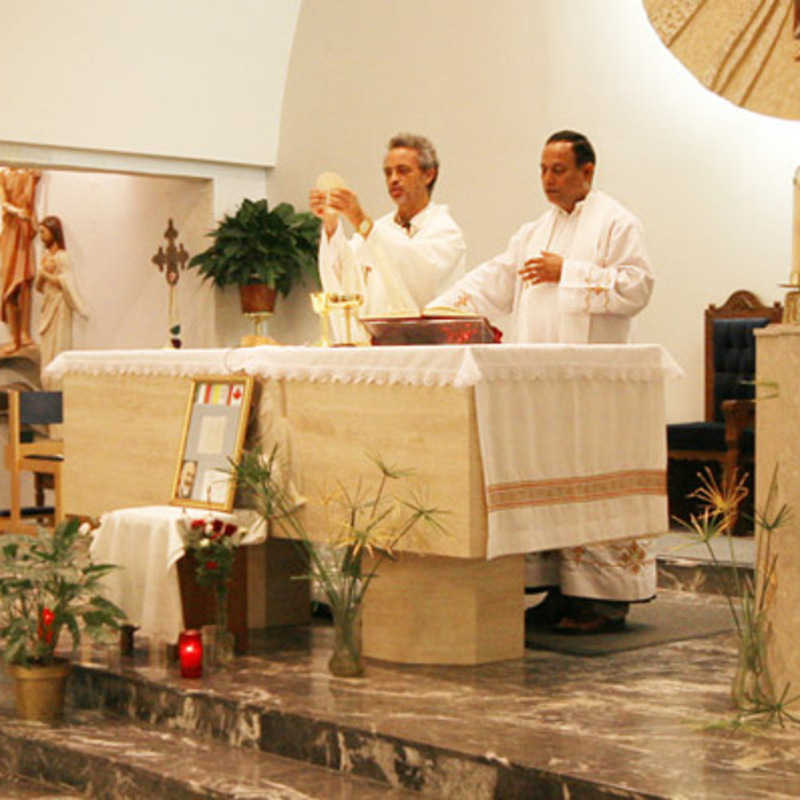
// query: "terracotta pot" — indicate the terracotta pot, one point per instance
point(257, 298)
point(39, 690)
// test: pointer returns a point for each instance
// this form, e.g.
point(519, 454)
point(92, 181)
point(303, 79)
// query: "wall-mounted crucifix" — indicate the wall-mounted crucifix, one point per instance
point(171, 261)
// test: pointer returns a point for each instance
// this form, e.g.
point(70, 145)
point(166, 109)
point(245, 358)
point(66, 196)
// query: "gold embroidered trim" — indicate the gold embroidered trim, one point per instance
point(557, 491)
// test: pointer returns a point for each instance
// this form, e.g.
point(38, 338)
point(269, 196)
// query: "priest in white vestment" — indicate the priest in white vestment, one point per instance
point(577, 274)
point(401, 261)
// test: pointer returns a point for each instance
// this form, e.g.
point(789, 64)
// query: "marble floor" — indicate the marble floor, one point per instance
point(649, 723)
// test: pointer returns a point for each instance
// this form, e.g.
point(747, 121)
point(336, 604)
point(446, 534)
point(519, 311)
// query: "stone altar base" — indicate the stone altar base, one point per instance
point(437, 610)
point(277, 725)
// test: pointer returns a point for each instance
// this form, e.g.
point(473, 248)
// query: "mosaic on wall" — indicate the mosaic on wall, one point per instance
point(747, 51)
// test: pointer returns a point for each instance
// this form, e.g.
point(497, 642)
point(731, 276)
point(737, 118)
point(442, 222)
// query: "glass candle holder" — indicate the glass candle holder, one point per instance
point(190, 654)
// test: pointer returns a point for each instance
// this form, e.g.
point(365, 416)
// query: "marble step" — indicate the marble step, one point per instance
point(683, 565)
point(95, 755)
point(397, 726)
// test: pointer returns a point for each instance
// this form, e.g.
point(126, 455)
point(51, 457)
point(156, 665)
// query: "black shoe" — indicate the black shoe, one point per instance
point(588, 625)
point(549, 612)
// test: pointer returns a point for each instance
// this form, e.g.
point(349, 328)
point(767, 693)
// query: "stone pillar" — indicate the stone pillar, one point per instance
point(778, 445)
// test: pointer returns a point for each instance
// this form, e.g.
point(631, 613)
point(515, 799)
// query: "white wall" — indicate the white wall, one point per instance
point(712, 183)
point(185, 78)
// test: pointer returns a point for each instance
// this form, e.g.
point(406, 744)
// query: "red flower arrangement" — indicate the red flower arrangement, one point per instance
point(213, 544)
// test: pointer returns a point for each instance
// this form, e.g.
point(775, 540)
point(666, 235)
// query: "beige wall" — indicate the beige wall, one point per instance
point(184, 78)
point(489, 82)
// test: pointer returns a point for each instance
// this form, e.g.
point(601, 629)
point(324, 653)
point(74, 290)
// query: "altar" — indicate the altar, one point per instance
point(527, 447)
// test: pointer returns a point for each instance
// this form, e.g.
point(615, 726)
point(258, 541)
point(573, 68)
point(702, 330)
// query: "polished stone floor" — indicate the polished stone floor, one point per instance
point(648, 723)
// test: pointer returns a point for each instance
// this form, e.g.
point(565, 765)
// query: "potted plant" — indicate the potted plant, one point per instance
point(362, 521)
point(261, 250)
point(48, 583)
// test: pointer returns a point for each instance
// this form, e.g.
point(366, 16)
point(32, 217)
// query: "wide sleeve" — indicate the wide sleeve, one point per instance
point(619, 282)
point(338, 268)
point(418, 266)
point(488, 289)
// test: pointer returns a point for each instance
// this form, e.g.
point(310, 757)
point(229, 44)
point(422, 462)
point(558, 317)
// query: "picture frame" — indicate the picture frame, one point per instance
point(213, 435)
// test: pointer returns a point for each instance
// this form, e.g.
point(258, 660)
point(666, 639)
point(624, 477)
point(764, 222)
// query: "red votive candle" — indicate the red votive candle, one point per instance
point(190, 654)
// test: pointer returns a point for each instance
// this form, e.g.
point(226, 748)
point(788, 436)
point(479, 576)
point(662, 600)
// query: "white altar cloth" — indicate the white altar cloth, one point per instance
point(441, 365)
point(146, 544)
point(572, 437)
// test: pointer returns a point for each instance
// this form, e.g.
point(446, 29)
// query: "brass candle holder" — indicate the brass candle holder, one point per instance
point(791, 304)
point(324, 303)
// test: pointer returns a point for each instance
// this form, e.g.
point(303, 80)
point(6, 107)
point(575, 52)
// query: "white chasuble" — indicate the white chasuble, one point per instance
point(398, 270)
point(605, 277)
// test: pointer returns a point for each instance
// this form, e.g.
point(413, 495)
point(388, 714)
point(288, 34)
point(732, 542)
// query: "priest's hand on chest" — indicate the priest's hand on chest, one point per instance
point(544, 268)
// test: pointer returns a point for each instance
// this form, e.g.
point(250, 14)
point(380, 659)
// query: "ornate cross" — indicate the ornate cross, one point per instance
point(172, 261)
point(174, 258)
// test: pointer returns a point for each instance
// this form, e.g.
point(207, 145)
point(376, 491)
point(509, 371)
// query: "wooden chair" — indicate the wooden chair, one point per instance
point(726, 435)
point(43, 457)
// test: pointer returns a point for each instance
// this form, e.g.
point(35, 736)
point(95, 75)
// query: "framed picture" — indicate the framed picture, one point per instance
point(213, 436)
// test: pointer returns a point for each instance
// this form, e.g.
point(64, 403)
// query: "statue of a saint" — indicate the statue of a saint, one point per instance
point(57, 284)
point(17, 190)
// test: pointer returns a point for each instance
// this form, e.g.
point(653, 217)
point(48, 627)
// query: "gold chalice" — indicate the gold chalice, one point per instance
point(325, 302)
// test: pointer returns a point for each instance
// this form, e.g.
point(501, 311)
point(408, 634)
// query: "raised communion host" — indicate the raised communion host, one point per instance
point(402, 260)
point(577, 274)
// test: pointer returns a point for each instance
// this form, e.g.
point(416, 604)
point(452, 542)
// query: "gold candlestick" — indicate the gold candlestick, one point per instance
point(791, 304)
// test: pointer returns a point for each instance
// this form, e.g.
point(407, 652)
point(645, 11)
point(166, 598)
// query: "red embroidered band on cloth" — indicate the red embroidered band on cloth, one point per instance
point(555, 491)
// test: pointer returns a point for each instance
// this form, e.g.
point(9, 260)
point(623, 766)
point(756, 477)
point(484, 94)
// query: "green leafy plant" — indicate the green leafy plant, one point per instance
point(754, 693)
point(48, 583)
point(276, 247)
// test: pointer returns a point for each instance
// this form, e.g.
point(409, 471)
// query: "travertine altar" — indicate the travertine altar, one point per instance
point(528, 447)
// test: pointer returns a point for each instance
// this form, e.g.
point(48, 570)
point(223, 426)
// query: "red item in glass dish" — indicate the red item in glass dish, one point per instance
point(431, 330)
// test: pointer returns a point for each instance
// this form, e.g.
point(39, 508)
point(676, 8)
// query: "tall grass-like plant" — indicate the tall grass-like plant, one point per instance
point(753, 691)
point(360, 520)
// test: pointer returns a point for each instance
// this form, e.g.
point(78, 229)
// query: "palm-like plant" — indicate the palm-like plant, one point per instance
point(360, 522)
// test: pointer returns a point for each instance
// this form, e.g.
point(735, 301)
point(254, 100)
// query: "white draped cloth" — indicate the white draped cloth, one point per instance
point(605, 280)
point(146, 544)
point(397, 270)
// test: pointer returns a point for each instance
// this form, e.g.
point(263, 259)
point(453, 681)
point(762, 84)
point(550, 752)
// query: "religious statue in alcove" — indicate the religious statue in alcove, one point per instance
point(171, 261)
point(17, 194)
point(60, 297)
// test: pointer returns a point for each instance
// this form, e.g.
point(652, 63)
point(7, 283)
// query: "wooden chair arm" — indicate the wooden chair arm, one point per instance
point(739, 415)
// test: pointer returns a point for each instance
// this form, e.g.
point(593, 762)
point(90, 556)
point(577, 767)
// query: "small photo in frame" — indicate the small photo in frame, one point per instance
point(213, 436)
